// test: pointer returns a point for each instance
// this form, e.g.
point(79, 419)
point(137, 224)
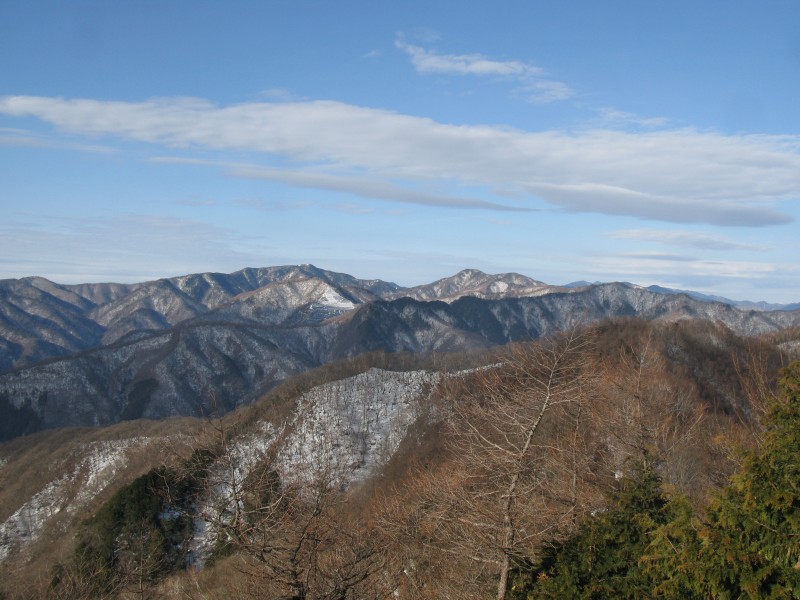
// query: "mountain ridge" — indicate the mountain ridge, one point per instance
point(232, 354)
point(101, 353)
point(367, 421)
point(40, 319)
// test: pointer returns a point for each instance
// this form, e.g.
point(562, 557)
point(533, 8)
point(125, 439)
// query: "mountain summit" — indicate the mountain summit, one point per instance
point(103, 353)
point(471, 282)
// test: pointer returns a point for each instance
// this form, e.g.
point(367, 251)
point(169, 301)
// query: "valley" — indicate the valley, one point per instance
point(324, 437)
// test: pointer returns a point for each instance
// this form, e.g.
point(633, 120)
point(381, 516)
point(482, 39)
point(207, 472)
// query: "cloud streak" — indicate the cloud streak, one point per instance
point(621, 118)
point(22, 138)
point(358, 186)
point(682, 176)
point(428, 61)
point(702, 241)
point(659, 266)
point(539, 88)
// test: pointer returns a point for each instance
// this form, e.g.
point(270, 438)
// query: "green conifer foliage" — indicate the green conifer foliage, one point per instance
point(751, 548)
point(602, 559)
point(670, 559)
point(139, 535)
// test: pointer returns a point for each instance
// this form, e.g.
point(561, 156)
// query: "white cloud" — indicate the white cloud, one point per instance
point(359, 186)
point(753, 280)
point(428, 61)
point(23, 138)
point(351, 208)
point(536, 85)
point(545, 91)
point(703, 241)
point(196, 203)
point(643, 266)
point(658, 256)
point(281, 95)
point(682, 176)
point(367, 188)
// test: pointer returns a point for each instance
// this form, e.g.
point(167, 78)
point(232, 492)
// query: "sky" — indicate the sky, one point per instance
point(643, 141)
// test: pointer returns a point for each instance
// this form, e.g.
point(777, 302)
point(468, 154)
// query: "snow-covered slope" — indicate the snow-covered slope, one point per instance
point(79, 477)
point(471, 282)
point(346, 429)
point(301, 300)
point(351, 427)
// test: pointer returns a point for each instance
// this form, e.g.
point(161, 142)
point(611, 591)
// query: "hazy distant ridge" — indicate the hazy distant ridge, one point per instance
point(172, 347)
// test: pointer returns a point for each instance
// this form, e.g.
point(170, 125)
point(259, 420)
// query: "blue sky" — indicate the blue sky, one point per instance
point(652, 142)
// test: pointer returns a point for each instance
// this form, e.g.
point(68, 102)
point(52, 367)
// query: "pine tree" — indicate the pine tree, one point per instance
point(670, 558)
point(751, 546)
point(602, 559)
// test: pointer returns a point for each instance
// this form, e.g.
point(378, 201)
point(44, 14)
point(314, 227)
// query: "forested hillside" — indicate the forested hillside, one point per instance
point(165, 347)
point(628, 459)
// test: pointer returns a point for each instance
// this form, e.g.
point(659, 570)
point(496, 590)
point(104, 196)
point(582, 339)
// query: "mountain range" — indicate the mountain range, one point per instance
point(96, 354)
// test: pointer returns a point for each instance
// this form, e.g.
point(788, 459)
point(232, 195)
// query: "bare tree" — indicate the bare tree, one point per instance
point(646, 414)
point(516, 463)
point(140, 558)
point(291, 528)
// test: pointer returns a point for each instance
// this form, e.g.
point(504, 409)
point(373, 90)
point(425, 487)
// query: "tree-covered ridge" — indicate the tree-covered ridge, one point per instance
point(136, 538)
point(746, 544)
point(599, 463)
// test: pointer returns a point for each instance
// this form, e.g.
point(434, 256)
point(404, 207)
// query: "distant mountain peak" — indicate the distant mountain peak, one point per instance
point(156, 348)
point(476, 283)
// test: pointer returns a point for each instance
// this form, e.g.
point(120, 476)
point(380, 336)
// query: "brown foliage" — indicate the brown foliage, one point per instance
point(503, 458)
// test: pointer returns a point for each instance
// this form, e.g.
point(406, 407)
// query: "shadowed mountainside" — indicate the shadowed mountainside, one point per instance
point(232, 354)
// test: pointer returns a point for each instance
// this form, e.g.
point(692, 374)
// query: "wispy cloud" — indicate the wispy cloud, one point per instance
point(281, 95)
point(23, 138)
point(351, 208)
point(683, 176)
point(535, 81)
point(364, 187)
point(135, 248)
point(611, 117)
point(368, 188)
point(197, 203)
point(702, 241)
point(273, 205)
point(644, 266)
point(544, 91)
point(658, 256)
point(429, 61)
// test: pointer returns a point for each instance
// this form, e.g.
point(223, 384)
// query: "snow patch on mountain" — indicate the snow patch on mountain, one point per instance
point(341, 433)
point(331, 298)
point(471, 282)
point(225, 483)
point(68, 493)
point(351, 427)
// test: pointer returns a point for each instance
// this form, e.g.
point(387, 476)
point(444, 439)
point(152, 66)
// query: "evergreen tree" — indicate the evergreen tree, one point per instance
point(602, 559)
point(669, 560)
point(751, 546)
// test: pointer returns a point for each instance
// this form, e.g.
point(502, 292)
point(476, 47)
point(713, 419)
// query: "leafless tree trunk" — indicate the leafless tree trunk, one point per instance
point(510, 428)
point(291, 528)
